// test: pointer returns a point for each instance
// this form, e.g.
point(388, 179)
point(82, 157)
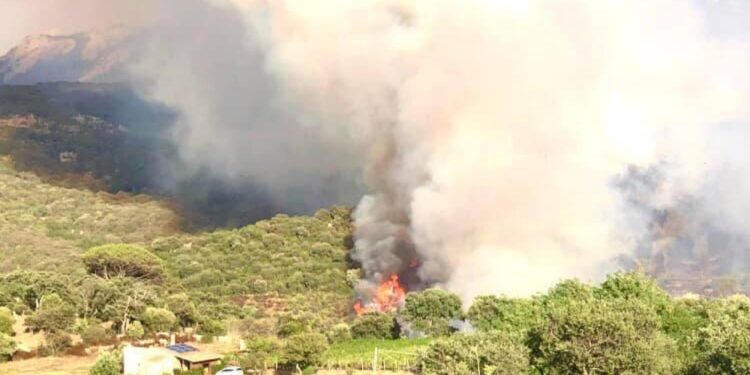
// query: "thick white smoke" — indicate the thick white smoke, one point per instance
point(495, 136)
point(495, 129)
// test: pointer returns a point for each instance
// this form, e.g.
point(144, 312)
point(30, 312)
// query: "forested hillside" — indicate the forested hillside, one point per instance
point(45, 227)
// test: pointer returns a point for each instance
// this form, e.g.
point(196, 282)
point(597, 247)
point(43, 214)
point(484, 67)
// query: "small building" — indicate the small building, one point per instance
point(159, 361)
point(148, 361)
point(198, 360)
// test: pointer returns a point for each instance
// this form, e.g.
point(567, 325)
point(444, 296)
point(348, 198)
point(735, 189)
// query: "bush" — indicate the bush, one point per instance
point(94, 334)
point(489, 313)
point(212, 328)
point(135, 330)
point(158, 320)
point(123, 260)
point(259, 351)
point(290, 325)
point(339, 333)
point(53, 315)
point(183, 308)
point(107, 364)
point(56, 343)
point(304, 350)
point(6, 321)
point(580, 334)
point(723, 346)
point(7, 347)
point(375, 325)
point(431, 311)
point(477, 354)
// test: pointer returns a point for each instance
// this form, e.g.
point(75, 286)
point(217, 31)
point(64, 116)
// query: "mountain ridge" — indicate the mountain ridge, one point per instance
point(92, 56)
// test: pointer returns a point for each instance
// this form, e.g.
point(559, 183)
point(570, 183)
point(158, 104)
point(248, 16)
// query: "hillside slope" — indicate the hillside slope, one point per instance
point(45, 227)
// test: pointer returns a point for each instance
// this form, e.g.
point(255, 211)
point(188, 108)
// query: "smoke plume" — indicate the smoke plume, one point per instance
point(505, 145)
point(496, 132)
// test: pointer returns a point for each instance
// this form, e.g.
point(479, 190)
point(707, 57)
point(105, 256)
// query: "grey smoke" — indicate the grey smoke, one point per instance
point(504, 145)
point(210, 65)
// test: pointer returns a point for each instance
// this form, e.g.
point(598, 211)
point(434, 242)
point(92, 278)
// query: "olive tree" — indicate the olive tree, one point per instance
point(304, 350)
point(431, 311)
point(722, 346)
point(483, 353)
point(158, 320)
point(6, 321)
point(581, 334)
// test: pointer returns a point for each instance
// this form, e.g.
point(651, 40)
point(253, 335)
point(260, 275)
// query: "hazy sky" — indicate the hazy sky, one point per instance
point(20, 18)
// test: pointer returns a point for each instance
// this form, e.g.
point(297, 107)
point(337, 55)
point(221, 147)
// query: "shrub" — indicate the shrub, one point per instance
point(489, 313)
point(375, 325)
point(94, 334)
point(135, 330)
point(123, 260)
point(56, 343)
point(53, 315)
point(476, 354)
point(107, 364)
point(7, 347)
point(339, 333)
point(290, 324)
point(304, 350)
point(723, 346)
point(183, 308)
point(589, 335)
point(158, 320)
point(212, 328)
point(6, 321)
point(260, 350)
point(431, 311)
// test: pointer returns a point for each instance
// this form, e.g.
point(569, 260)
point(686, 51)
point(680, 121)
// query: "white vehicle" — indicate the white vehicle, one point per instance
point(232, 370)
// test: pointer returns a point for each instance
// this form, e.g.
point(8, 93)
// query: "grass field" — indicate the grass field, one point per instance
point(359, 354)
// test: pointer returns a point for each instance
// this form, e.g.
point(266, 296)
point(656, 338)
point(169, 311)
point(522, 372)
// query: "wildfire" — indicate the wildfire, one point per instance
point(389, 296)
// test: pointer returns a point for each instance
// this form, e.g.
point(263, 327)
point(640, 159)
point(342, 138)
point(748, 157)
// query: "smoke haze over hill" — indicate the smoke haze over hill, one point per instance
point(505, 144)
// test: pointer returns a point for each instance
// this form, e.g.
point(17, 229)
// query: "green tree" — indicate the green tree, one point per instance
point(183, 308)
point(431, 311)
point(31, 286)
point(129, 300)
point(722, 346)
point(6, 321)
point(259, 351)
point(158, 320)
point(7, 347)
point(106, 364)
point(634, 285)
point(304, 350)
point(94, 334)
point(489, 313)
point(600, 336)
point(484, 353)
point(340, 333)
point(375, 325)
point(56, 343)
point(120, 260)
point(53, 315)
point(135, 330)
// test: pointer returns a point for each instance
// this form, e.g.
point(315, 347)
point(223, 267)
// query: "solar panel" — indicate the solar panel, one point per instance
point(182, 348)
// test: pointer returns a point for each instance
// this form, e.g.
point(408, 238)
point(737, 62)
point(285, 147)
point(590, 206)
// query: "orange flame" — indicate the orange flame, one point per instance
point(389, 296)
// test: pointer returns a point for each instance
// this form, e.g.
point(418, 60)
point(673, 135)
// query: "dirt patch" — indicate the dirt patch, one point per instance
point(49, 366)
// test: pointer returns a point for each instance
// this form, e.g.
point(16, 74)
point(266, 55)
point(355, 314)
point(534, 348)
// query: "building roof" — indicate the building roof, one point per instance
point(198, 357)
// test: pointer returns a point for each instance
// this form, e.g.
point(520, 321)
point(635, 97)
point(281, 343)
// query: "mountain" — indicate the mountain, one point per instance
point(96, 56)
